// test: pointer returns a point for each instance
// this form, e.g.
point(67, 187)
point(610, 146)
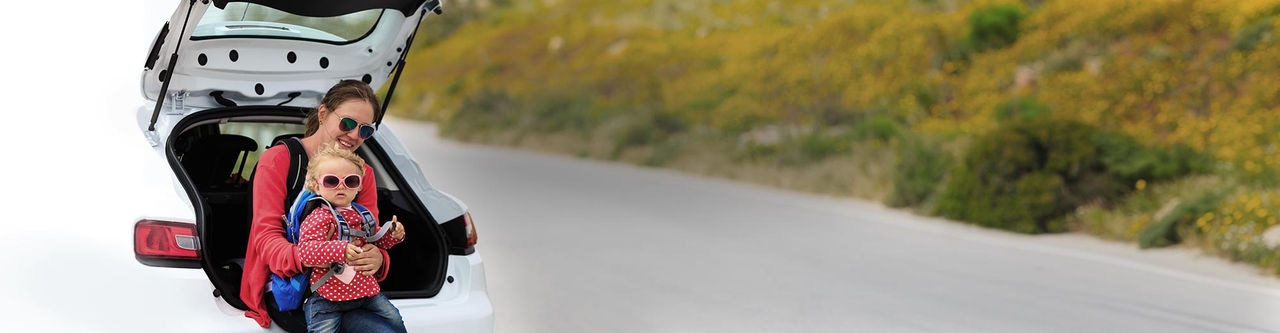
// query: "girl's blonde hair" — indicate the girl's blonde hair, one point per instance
point(330, 152)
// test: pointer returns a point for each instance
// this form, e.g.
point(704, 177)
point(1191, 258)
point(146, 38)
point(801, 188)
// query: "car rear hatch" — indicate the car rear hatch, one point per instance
point(224, 53)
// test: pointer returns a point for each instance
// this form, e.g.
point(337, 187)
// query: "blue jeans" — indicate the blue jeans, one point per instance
point(326, 316)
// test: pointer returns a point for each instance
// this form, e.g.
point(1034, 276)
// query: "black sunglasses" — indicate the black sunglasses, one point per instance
point(346, 124)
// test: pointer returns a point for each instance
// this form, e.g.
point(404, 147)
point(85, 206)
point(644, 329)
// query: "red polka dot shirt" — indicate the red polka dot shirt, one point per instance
point(319, 245)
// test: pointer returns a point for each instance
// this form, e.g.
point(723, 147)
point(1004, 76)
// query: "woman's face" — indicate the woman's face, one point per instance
point(331, 128)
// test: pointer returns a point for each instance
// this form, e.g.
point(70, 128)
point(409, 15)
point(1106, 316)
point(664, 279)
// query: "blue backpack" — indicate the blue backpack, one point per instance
point(290, 291)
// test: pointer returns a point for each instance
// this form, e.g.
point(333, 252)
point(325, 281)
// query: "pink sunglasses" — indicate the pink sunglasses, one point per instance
point(331, 181)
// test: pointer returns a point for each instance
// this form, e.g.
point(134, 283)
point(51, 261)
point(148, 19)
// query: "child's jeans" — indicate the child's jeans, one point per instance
point(326, 316)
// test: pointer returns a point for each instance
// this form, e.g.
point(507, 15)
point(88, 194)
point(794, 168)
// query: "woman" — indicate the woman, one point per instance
point(343, 117)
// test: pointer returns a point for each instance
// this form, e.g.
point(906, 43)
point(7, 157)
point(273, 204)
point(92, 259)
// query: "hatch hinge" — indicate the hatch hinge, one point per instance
point(152, 138)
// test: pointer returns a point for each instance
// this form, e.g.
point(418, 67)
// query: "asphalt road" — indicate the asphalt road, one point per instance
point(578, 246)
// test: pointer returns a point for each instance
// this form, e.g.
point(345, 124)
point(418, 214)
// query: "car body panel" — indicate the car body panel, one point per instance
point(442, 205)
point(255, 70)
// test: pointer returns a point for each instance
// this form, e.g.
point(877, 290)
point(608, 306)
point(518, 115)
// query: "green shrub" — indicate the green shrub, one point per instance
point(558, 112)
point(493, 111)
point(649, 130)
point(920, 168)
point(1027, 174)
point(669, 123)
point(1020, 107)
point(958, 53)
point(925, 95)
point(878, 127)
point(482, 111)
point(1166, 231)
point(813, 147)
point(994, 27)
point(633, 136)
point(1130, 160)
point(1249, 37)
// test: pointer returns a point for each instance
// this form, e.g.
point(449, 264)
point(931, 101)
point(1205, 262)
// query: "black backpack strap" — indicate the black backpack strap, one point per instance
point(297, 169)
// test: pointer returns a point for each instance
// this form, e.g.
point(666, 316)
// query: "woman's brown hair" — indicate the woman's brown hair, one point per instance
point(338, 94)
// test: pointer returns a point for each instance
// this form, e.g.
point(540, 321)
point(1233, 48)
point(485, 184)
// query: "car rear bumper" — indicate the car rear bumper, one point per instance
point(180, 299)
point(461, 306)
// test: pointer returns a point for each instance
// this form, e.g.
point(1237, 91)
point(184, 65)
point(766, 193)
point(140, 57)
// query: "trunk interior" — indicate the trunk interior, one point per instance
point(217, 152)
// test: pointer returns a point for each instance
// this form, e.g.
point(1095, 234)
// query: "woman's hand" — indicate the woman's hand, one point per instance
point(367, 261)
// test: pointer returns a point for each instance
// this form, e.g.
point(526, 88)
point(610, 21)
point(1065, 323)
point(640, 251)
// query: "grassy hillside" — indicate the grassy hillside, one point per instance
point(1151, 121)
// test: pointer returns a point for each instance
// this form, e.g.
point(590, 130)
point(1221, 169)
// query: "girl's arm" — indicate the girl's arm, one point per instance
point(315, 248)
point(392, 237)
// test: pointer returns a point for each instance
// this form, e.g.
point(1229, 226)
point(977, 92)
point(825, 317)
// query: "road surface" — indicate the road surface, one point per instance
point(572, 245)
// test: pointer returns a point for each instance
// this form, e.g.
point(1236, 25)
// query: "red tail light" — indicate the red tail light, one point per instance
point(461, 233)
point(166, 243)
point(471, 229)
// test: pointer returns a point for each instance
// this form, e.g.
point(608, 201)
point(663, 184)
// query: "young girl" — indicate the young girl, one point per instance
point(335, 174)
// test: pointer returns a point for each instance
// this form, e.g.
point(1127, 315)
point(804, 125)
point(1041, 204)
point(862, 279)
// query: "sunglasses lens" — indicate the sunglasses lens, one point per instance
point(352, 181)
point(366, 131)
point(347, 124)
point(329, 181)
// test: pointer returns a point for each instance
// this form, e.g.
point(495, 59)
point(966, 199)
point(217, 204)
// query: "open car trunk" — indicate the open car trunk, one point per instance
point(217, 151)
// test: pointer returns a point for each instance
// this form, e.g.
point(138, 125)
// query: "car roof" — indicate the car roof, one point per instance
point(277, 52)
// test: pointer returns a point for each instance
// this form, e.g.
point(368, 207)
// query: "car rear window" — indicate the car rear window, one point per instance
point(242, 19)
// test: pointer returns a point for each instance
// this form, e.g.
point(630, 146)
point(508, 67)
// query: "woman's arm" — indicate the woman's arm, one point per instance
point(368, 196)
point(266, 234)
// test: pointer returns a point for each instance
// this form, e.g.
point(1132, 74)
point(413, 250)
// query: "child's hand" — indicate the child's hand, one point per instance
point(352, 251)
point(397, 229)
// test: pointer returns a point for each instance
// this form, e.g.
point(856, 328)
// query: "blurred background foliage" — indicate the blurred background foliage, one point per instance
point(1150, 121)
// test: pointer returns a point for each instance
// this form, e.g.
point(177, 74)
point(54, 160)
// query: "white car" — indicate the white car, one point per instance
point(225, 79)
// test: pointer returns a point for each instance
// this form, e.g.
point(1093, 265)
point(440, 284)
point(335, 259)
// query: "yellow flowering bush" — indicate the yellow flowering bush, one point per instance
point(1201, 74)
point(1235, 227)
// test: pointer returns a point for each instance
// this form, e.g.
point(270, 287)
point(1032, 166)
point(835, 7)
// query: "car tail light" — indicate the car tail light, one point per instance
point(461, 232)
point(471, 229)
point(166, 244)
